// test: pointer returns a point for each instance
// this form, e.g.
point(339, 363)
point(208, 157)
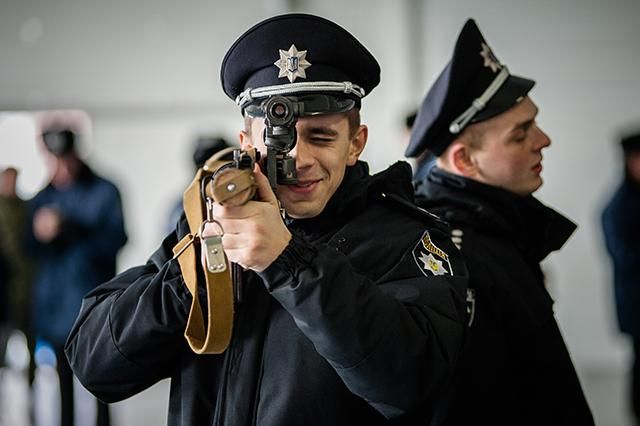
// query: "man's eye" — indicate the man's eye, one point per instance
point(520, 136)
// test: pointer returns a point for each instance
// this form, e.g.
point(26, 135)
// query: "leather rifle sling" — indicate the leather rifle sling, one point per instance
point(215, 338)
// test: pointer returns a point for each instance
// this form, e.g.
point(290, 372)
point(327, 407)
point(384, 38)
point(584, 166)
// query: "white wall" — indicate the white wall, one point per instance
point(147, 73)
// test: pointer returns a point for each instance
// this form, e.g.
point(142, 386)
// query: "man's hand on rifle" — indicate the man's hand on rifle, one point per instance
point(254, 233)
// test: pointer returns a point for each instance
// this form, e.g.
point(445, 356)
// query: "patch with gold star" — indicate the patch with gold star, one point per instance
point(431, 260)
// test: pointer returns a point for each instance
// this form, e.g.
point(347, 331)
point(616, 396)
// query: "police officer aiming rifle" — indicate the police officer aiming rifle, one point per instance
point(353, 303)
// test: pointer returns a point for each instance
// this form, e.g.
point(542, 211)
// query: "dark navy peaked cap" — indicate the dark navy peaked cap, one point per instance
point(474, 86)
point(297, 54)
point(631, 142)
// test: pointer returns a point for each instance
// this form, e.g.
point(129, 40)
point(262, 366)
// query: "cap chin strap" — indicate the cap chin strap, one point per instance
point(345, 87)
point(479, 103)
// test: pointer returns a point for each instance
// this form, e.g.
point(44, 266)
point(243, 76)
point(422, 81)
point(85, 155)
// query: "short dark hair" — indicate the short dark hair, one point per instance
point(410, 119)
point(206, 146)
point(630, 142)
point(473, 135)
point(353, 116)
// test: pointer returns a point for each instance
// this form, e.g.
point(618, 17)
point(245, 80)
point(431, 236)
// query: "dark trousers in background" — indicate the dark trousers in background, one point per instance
point(635, 381)
point(66, 395)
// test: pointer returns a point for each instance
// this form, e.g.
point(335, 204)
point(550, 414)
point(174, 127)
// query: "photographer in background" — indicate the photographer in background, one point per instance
point(352, 309)
point(76, 231)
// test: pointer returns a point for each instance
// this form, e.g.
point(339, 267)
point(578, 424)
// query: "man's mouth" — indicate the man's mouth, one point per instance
point(304, 186)
point(537, 168)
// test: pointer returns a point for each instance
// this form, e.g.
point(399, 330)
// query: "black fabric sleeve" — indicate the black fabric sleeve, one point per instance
point(393, 342)
point(129, 332)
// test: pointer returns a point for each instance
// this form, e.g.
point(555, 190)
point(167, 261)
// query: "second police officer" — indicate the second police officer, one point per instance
point(479, 121)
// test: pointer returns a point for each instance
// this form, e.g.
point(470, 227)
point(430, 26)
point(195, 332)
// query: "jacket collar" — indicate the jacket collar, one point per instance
point(534, 227)
point(354, 194)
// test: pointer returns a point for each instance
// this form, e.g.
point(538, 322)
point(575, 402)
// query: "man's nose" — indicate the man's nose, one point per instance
point(542, 139)
point(302, 154)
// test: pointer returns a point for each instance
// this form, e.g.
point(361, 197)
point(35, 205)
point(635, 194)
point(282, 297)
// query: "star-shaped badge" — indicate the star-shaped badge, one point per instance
point(292, 63)
point(490, 59)
point(432, 264)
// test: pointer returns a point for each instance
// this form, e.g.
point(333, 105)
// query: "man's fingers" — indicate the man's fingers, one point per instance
point(233, 242)
point(263, 187)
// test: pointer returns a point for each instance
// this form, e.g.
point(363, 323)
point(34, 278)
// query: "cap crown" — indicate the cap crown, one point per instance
point(294, 53)
point(474, 86)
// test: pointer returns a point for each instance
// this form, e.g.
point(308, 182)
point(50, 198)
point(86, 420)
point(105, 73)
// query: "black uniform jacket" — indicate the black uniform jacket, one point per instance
point(347, 326)
point(515, 368)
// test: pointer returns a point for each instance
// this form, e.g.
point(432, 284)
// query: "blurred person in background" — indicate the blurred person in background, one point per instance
point(4, 306)
point(76, 231)
point(479, 121)
point(16, 301)
point(621, 228)
point(423, 163)
point(204, 148)
point(407, 122)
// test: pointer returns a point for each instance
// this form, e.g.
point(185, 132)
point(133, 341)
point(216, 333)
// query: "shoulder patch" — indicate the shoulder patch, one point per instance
point(430, 259)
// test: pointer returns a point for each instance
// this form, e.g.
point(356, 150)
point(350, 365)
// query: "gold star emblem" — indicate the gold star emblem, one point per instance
point(490, 59)
point(292, 63)
point(432, 264)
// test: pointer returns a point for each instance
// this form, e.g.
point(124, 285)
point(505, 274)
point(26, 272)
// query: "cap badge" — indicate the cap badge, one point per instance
point(292, 63)
point(490, 59)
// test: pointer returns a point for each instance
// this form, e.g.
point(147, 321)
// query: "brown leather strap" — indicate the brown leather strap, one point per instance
point(233, 186)
point(215, 338)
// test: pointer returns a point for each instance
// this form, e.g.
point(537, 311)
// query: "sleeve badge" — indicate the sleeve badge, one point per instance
point(431, 260)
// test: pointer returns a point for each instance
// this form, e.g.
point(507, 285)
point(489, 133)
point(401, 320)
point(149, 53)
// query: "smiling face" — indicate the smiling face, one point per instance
point(506, 150)
point(326, 145)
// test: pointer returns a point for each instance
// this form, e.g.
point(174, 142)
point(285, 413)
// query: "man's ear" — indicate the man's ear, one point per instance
point(357, 144)
point(459, 159)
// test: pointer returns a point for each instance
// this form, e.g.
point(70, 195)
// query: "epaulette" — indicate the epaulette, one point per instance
point(413, 210)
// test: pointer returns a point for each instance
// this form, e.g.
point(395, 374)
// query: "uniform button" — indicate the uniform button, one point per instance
point(456, 232)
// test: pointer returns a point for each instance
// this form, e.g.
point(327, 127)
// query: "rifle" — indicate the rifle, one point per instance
point(229, 181)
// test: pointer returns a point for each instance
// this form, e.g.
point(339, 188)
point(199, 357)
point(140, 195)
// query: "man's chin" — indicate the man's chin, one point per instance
point(525, 192)
point(300, 210)
point(297, 214)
